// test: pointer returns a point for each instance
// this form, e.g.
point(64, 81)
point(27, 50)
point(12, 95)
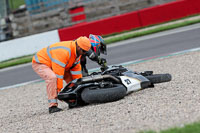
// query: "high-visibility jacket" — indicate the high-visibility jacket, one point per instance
point(60, 57)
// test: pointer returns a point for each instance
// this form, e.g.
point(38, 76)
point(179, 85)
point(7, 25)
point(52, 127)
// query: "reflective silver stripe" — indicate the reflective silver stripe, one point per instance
point(54, 60)
point(77, 59)
point(77, 62)
point(52, 100)
point(75, 72)
point(62, 47)
point(36, 58)
point(59, 76)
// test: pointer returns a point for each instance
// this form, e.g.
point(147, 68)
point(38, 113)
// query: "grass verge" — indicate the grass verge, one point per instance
point(189, 128)
point(26, 59)
point(14, 4)
point(16, 61)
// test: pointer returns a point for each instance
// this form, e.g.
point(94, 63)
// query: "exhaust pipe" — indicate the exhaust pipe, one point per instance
point(98, 77)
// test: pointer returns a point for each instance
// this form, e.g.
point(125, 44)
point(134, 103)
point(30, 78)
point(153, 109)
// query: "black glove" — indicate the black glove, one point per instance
point(103, 68)
point(103, 64)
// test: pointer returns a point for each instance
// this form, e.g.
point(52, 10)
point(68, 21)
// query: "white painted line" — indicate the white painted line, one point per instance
point(156, 35)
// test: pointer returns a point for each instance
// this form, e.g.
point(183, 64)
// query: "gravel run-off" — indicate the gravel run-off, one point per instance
point(173, 104)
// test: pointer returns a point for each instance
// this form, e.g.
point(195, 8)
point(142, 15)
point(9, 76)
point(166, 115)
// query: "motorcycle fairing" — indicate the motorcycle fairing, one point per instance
point(132, 84)
point(133, 81)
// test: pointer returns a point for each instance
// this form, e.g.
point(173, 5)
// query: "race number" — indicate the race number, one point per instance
point(127, 81)
point(132, 84)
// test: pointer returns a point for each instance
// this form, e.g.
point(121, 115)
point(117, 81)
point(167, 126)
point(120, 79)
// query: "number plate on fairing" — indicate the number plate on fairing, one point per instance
point(132, 84)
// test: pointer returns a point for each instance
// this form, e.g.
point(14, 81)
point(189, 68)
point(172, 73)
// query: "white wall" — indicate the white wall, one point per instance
point(27, 45)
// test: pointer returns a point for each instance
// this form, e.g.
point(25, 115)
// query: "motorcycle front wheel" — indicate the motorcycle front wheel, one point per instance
point(159, 78)
point(103, 95)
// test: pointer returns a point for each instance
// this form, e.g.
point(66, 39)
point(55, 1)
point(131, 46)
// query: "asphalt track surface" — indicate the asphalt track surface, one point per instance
point(143, 47)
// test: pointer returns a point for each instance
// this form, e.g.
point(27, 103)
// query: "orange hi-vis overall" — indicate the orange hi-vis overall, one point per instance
point(58, 62)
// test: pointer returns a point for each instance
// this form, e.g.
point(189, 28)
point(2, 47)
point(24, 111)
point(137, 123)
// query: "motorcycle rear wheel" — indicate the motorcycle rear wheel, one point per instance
point(159, 78)
point(103, 95)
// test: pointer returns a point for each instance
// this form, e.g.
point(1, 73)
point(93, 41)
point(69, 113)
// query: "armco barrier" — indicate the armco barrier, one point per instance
point(193, 6)
point(105, 26)
point(141, 18)
point(163, 13)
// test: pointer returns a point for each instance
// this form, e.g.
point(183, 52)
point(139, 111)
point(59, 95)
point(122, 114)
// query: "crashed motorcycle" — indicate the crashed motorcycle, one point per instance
point(107, 86)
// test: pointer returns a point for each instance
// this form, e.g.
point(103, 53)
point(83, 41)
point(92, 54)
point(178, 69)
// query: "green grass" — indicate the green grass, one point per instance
point(16, 61)
point(14, 4)
point(189, 128)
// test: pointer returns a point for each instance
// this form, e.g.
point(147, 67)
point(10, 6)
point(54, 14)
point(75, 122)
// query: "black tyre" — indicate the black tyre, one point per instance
point(103, 95)
point(159, 78)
